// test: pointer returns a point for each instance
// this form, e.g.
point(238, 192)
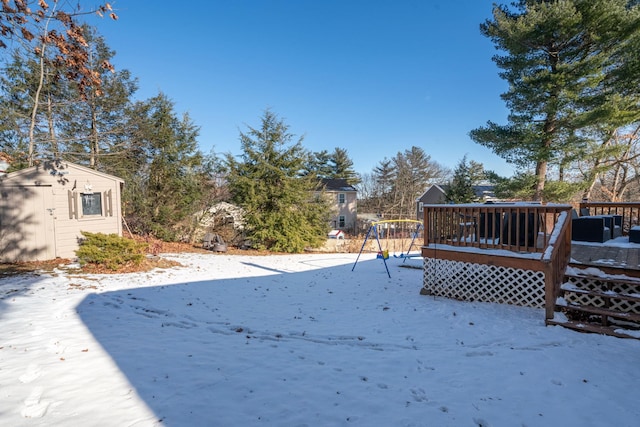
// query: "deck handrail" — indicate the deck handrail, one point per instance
point(630, 212)
point(556, 259)
point(516, 227)
point(506, 231)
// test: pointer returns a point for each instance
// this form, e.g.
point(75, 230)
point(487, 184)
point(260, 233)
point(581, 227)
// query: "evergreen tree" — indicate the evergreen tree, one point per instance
point(94, 125)
point(18, 80)
point(167, 189)
point(342, 166)
point(336, 165)
point(383, 176)
point(284, 212)
point(318, 165)
point(521, 187)
point(30, 128)
point(66, 123)
point(564, 62)
point(461, 185)
point(51, 38)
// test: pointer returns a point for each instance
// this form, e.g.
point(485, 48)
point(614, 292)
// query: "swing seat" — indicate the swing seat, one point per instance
point(383, 255)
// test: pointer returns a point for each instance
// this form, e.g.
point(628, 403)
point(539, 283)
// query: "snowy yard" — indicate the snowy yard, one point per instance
point(296, 340)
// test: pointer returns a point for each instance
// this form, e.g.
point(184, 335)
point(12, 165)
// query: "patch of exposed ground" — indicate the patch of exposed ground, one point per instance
point(154, 260)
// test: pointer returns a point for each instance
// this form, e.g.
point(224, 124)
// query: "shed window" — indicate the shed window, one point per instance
point(91, 204)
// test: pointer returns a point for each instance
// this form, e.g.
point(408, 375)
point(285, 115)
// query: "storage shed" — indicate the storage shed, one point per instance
point(44, 208)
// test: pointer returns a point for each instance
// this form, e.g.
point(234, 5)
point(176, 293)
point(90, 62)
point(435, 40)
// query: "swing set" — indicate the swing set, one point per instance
point(388, 229)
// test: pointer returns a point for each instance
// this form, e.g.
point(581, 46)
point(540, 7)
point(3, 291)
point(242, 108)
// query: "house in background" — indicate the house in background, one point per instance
point(437, 194)
point(343, 198)
point(44, 208)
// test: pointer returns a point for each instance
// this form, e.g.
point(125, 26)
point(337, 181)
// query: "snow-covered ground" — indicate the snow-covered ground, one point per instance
point(296, 340)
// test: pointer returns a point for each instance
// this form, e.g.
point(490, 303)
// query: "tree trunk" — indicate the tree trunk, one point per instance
point(541, 173)
point(52, 129)
point(549, 129)
point(36, 98)
point(34, 110)
point(95, 148)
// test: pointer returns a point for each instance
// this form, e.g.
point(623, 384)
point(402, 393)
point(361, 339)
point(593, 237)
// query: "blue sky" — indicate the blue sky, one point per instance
point(372, 76)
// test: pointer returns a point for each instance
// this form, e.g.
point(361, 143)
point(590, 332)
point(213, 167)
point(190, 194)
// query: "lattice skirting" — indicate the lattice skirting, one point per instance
point(481, 282)
point(592, 284)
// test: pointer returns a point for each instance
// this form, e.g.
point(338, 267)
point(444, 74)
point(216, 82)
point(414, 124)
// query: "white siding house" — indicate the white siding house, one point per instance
point(344, 202)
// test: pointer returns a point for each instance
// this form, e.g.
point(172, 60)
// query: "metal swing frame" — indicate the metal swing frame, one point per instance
point(384, 255)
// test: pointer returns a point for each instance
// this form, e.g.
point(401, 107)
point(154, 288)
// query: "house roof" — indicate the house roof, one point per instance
point(479, 190)
point(434, 187)
point(336, 184)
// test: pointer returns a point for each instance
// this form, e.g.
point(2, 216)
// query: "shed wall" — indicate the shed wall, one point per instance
point(60, 189)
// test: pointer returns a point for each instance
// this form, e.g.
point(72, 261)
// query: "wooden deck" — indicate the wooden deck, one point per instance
point(616, 253)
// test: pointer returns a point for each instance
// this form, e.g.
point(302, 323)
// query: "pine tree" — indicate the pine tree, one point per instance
point(383, 176)
point(94, 125)
point(170, 182)
point(564, 62)
point(65, 124)
point(335, 165)
point(318, 165)
point(461, 185)
point(342, 166)
point(19, 81)
point(284, 212)
point(51, 37)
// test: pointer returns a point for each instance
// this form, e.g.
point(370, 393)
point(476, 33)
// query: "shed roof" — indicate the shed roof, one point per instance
point(54, 168)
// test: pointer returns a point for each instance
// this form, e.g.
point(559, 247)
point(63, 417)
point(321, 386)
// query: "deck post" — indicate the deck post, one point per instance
point(549, 291)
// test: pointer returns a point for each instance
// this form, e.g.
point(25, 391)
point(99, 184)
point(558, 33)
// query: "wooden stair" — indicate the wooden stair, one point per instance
point(603, 300)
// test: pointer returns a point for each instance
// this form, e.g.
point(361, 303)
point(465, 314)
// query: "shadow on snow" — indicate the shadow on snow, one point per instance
point(192, 349)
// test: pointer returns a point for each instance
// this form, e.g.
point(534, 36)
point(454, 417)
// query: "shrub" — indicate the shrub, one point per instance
point(110, 250)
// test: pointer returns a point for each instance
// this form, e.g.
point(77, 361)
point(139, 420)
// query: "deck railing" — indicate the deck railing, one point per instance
point(630, 212)
point(514, 227)
point(555, 260)
point(516, 235)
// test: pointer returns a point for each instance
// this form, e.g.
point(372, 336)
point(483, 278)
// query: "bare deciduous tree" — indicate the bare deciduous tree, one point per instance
point(36, 28)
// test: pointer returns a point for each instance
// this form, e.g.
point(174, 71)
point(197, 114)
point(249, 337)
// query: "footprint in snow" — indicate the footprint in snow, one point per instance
point(55, 347)
point(32, 372)
point(480, 422)
point(419, 395)
point(479, 353)
point(181, 324)
point(33, 406)
point(111, 304)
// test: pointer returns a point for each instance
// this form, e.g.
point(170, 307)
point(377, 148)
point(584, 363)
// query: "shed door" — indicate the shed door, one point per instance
point(27, 229)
